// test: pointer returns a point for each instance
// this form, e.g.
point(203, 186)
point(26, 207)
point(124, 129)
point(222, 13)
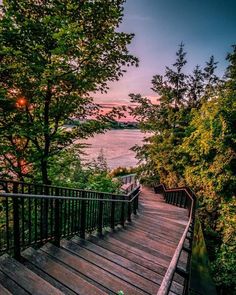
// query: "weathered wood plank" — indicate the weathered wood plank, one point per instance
point(25, 278)
point(11, 285)
point(4, 291)
point(61, 273)
point(97, 274)
point(118, 259)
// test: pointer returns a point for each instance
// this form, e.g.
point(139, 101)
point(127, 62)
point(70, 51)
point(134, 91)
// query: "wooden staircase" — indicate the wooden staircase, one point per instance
point(133, 259)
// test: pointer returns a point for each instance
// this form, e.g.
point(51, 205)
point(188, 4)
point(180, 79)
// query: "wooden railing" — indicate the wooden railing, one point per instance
point(32, 214)
point(185, 198)
point(129, 182)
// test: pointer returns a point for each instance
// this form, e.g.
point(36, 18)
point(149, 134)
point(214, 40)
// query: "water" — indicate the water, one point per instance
point(115, 145)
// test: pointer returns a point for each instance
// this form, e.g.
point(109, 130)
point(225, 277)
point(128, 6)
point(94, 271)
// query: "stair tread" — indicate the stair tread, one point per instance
point(25, 278)
point(136, 256)
point(105, 278)
point(4, 291)
point(118, 259)
point(10, 285)
point(137, 248)
point(61, 273)
point(156, 236)
point(118, 270)
point(142, 239)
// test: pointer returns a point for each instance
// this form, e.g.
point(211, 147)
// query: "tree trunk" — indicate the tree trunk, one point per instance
point(44, 171)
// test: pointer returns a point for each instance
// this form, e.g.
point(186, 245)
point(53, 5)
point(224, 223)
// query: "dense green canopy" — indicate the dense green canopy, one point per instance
point(53, 55)
point(193, 143)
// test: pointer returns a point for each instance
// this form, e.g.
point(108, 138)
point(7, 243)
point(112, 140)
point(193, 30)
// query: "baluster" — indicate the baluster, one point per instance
point(137, 199)
point(113, 213)
point(177, 198)
point(182, 199)
point(16, 223)
point(185, 201)
point(122, 212)
point(7, 224)
point(129, 209)
point(57, 220)
point(171, 197)
point(134, 203)
point(100, 215)
point(83, 217)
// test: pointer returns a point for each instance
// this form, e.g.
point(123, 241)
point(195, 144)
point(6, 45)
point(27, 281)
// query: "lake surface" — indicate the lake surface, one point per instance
point(115, 145)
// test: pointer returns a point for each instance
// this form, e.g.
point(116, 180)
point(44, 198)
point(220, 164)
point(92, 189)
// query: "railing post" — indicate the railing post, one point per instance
point(122, 212)
point(185, 201)
point(129, 209)
point(45, 204)
point(57, 221)
point(16, 223)
point(182, 199)
point(135, 202)
point(100, 215)
point(113, 213)
point(83, 217)
point(178, 198)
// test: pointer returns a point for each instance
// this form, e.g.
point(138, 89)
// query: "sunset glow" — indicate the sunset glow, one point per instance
point(21, 102)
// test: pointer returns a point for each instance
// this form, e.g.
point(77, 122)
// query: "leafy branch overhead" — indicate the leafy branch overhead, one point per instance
point(53, 55)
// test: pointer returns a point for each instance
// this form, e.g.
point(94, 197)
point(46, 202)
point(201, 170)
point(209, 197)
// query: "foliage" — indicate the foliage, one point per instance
point(53, 55)
point(178, 93)
point(121, 171)
point(68, 170)
point(194, 144)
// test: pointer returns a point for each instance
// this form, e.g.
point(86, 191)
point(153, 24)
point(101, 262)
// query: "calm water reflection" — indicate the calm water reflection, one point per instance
point(116, 146)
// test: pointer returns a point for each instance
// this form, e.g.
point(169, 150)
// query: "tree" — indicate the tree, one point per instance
point(193, 142)
point(53, 55)
point(210, 169)
point(165, 120)
point(178, 94)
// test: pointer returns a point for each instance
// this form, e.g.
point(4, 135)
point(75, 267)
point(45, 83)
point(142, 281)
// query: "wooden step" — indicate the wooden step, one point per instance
point(119, 270)
point(118, 259)
point(94, 272)
point(162, 224)
point(137, 246)
point(160, 229)
point(134, 255)
point(25, 278)
point(165, 240)
point(4, 291)
point(145, 240)
point(10, 285)
point(59, 272)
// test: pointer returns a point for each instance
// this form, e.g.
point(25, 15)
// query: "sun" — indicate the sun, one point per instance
point(21, 102)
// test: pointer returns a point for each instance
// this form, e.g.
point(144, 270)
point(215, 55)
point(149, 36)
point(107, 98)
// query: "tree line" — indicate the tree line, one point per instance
point(193, 143)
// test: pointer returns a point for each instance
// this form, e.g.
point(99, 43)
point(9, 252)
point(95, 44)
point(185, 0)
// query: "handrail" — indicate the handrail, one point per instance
point(35, 214)
point(12, 195)
point(55, 186)
point(173, 268)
